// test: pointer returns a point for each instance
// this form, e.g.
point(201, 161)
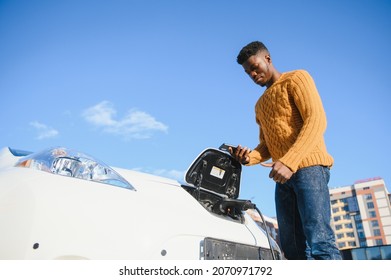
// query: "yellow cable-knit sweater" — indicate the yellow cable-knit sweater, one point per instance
point(292, 122)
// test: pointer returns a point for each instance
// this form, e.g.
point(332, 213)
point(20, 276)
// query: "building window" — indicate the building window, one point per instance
point(337, 218)
point(361, 234)
point(335, 210)
point(359, 254)
point(375, 223)
point(353, 205)
point(370, 205)
point(348, 226)
point(373, 253)
point(340, 235)
point(341, 244)
point(363, 244)
point(350, 234)
point(376, 232)
point(372, 214)
point(368, 196)
point(359, 225)
point(338, 227)
point(386, 252)
point(379, 242)
point(352, 244)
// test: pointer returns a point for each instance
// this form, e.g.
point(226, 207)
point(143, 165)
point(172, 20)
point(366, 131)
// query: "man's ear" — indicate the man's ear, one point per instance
point(268, 58)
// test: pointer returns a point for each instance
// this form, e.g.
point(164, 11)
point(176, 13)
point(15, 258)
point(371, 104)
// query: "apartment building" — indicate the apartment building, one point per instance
point(361, 214)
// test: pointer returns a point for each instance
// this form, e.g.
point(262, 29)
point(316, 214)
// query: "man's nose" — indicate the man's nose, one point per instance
point(253, 74)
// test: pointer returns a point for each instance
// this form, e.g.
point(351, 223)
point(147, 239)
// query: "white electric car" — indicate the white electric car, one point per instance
point(63, 204)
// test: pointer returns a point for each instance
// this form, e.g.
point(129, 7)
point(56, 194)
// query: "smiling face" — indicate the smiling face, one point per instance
point(259, 68)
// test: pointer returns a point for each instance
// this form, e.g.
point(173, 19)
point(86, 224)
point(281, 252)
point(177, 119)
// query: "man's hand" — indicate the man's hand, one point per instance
point(241, 154)
point(280, 173)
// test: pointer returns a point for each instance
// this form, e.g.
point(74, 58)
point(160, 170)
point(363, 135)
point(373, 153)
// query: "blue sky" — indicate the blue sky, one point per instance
point(147, 85)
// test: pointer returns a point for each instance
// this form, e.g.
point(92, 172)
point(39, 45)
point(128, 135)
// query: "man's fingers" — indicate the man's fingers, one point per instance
point(279, 172)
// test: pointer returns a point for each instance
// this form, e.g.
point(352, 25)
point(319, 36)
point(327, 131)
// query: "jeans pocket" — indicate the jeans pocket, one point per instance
point(326, 173)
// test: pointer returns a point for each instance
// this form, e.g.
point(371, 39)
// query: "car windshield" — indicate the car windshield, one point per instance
point(67, 162)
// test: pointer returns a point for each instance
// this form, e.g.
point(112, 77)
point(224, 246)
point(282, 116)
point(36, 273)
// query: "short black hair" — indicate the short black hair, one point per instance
point(250, 50)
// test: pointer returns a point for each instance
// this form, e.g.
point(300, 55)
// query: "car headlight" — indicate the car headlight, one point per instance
point(67, 162)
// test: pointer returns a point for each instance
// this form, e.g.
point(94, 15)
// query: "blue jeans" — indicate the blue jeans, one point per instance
point(303, 214)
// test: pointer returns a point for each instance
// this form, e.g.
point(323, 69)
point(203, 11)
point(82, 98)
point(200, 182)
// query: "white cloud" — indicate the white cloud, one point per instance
point(43, 130)
point(136, 124)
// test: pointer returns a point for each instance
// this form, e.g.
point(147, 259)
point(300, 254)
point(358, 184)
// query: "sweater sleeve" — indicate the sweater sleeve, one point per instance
point(309, 104)
point(261, 152)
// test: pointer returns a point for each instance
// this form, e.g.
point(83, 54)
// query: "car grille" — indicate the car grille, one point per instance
point(215, 249)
